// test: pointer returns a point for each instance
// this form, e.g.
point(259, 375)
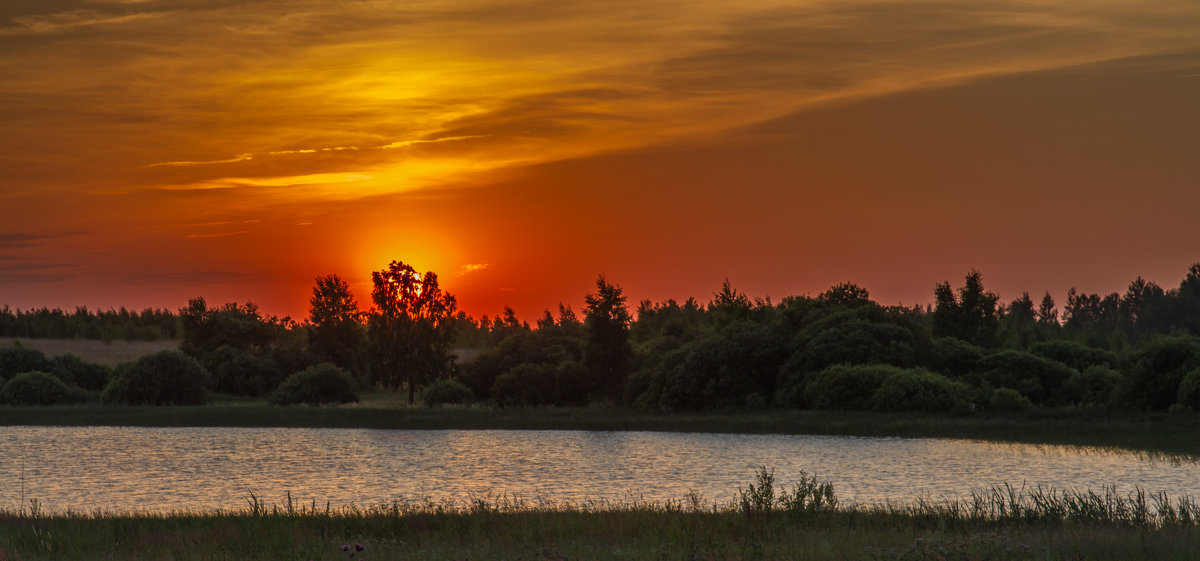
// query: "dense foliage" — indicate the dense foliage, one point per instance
point(75, 371)
point(410, 330)
point(444, 392)
point(17, 359)
point(841, 350)
point(316, 385)
point(37, 388)
point(969, 352)
point(43, 323)
point(163, 378)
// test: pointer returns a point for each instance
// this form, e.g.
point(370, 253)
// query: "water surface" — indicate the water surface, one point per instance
point(143, 469)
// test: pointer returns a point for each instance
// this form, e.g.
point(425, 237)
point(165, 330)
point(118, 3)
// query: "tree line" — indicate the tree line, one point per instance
point(968, 351)
point(150, 324)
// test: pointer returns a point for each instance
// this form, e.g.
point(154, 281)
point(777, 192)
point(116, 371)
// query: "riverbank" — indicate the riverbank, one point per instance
point(1168, 433)
point(499, 529)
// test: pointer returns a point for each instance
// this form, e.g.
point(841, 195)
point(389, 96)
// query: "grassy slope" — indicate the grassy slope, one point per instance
point(93, 350)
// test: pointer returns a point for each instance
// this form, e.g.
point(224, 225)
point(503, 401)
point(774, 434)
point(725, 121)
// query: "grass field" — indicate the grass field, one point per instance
point(94, 350)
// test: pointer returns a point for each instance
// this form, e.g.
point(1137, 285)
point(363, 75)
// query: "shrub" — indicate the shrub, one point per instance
point(1040, 379)
point(242, 371)
point(1009, 400)
point(316, 385)
point(446, 391)
point(71, 369)
point(955, 357)
point(163, 378)
point(1097, 386)
point(806, 497)
point(922, 390)
point(845, 386)
point(1159, 367)
point(855, 336)
point(17, 359)
point(721, 369)
point(36, 388)
point(526, 384)
point(1189, 391)
point(1074, 354)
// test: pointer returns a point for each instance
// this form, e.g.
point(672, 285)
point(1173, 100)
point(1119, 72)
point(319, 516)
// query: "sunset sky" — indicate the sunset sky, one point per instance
point(152, 151)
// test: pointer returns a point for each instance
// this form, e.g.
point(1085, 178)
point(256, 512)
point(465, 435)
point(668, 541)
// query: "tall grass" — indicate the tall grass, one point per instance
point(766, 521)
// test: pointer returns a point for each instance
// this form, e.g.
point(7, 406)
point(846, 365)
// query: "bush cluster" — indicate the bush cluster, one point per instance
point(316, 385)
point(37, 388)
point(446, 391)
point(163, 378)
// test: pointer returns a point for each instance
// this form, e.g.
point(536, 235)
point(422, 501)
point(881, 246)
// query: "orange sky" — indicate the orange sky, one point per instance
point(152, 151)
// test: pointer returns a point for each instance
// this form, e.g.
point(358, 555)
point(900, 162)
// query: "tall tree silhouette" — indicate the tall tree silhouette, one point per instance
point(337, 330)
point(971, 315)
point(1047, 313)
point(410, 327)
point(607, 353)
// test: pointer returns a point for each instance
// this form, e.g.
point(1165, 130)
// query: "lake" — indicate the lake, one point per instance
point(156, 469)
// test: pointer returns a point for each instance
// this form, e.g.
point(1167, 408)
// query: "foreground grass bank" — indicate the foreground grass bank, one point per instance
point(997, 526)
point(1169, 433)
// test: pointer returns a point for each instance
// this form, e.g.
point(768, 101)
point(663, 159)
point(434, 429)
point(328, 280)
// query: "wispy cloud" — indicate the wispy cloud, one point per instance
point(473, 268)
point(63, 22)
point(232, 160)
point(219, 234)
point(14, 240)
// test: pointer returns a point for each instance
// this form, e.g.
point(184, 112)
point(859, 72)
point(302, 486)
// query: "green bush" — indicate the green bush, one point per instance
point(1073, 354)
point(1097, 386)
point(316, 385)
point(71, 369)
point(163, 378)
point(721, 368)
point(1189, 391)
point(17, 359)
point(1007, 400)
point(446, 391)
point(37, 388)
point(922, 390)
point(526, 384)
point(955, 357)
point(846, 387)
point(1157, 369)
point(239, 371)
point(863, 335)
point(1038, 378)
point(531, 384)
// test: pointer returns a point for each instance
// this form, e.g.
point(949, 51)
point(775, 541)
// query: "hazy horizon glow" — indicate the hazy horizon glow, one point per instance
point(154, 151)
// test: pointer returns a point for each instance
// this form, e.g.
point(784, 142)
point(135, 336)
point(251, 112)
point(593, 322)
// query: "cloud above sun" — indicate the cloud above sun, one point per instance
point(390, 124)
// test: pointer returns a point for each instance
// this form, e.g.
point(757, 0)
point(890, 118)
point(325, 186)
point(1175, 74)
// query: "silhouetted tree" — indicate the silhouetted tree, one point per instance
point(607, 353)
point(410, 328)
point(337, 330)
point(1047, 314)
point(846, 294)
point(971, 315)
point(205, 329)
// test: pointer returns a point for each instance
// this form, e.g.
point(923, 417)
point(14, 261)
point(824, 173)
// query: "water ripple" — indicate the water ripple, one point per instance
point(155, 469)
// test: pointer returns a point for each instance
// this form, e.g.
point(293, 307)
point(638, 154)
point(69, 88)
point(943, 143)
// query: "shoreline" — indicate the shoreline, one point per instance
point(1165, 433)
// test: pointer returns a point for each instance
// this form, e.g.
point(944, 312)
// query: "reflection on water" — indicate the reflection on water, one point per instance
point(128, 468)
